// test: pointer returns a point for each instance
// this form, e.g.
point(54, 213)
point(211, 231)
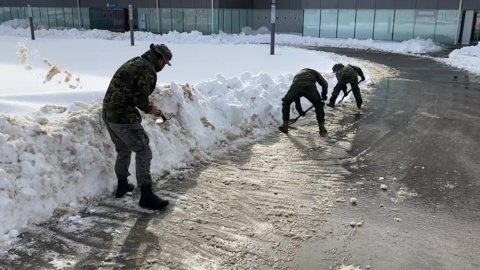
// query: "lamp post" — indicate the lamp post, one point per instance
point(79, 14)
point(130, 20)
point(213, 27)
point(272, 37)
point(158, 18)
point(30, 18)
point(459, 22)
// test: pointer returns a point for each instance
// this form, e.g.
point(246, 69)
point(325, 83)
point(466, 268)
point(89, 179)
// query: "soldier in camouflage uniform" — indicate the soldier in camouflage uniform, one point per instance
point(304, 85)
point(347, 75)
point(128, 91)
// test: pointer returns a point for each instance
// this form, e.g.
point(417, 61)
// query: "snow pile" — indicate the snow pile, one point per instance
point(467, 58)
point(247, 30)
point(63, 155)
point(414, 46)
point(21, 24)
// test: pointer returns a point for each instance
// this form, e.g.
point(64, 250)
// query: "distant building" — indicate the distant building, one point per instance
point(362, 19)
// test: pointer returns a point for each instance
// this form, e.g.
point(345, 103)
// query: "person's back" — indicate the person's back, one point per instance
point(119, 101)
point(346, 74)
point(305, 77)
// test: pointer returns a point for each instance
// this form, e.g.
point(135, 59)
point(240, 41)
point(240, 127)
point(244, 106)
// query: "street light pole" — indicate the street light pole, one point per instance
point(272, 37)
point(30, 18)
point(457, 36)
point(79, 14)
point(158, 18)
point(213, 27)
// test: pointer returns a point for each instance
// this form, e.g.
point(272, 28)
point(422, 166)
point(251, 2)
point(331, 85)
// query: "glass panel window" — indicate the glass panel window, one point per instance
point(154, 22)
point(383, 24)
point(2, 17)
point(215, 20)
point(346, 23)
point(177, 19)
point(311, 23)
point(36, 15)
point(22, 13)
point(220, 20)
point(7, 15)
point(250, 18)
point(44, 17)
point(403, 27)
point(85, 18)
point(68, 13)
point(425, 23)
point(76, 18)
point(328, 23)
point(189, 19)
point(60, 17)
point(166, 17)
point(14, 13)
point(227, 20)
point(364, 24)
point(52, 17)
point(235, 21)
point(201, 21)
point(243, 18)
point(446, 29)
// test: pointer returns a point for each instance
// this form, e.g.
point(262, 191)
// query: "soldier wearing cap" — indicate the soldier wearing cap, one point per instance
point(347, 75)
point(127, 93)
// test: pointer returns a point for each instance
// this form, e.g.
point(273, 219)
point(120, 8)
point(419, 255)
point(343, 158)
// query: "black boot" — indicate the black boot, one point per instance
point(284, 128)
point(322, 130)
point(149, 200)
point(123, 187)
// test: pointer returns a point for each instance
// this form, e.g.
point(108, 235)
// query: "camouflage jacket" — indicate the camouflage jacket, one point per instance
point(129, 89)
point(309, 77)
point(349, 74)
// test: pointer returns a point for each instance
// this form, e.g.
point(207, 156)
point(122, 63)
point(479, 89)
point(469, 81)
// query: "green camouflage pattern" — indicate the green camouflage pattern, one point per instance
point(348, 74)
point(129, 89)
point(308, 77)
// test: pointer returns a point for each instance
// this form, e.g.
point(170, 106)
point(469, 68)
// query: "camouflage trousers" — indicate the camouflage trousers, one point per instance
point(129, 138)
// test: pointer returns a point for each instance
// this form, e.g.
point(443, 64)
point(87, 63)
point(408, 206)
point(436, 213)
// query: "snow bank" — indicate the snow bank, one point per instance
point(414, 46)
point(467, 58)
point(63, 155)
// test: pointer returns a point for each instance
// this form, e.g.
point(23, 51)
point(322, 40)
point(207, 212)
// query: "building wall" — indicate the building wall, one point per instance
point(238, 4)
point(363, 19)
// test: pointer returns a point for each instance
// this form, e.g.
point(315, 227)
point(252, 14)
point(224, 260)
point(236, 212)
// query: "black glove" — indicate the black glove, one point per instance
point(302, 113)
point(363, 79)
point(324, 97)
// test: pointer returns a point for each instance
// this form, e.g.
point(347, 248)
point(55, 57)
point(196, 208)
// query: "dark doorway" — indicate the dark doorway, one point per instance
point(476, 27)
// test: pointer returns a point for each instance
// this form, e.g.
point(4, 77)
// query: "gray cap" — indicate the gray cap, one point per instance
point(163, 51)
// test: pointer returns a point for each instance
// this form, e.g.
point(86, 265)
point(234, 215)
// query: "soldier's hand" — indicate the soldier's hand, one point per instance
point(155, 112)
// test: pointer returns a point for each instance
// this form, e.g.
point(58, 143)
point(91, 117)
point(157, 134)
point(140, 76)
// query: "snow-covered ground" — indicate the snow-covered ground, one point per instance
point(467, 58)
point(54, 149)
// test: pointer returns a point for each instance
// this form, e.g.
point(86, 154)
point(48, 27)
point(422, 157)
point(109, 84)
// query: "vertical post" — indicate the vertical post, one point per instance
point(158, 18)
point(30, 18)
point(459, 22)
point(272, 37)
point(79, 14)
point(130, 20)
point(213, 27)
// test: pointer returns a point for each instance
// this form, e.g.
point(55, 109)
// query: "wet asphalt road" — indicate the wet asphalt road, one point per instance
point(422, 128)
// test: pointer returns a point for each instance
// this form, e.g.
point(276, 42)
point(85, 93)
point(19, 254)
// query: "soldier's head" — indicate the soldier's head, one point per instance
point(337, 67)
point(163, 54)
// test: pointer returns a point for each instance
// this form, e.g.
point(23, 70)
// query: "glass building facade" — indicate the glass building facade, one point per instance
point(146, 19)
point(379, 24)
point(382, 24)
